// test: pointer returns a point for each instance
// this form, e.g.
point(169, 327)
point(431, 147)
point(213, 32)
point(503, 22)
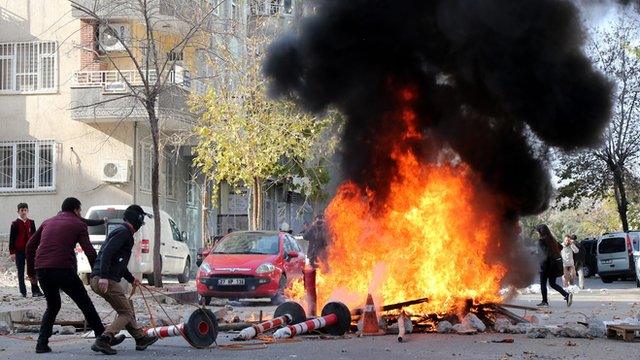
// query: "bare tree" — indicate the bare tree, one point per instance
point(609, 168)
point(153, 68)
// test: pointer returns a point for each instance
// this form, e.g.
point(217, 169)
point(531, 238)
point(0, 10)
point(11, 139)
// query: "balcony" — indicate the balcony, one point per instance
point(162, 12)
point(271, 8)
point(101, 96)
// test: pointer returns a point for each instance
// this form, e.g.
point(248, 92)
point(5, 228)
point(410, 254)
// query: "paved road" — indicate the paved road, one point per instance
point(618, 299)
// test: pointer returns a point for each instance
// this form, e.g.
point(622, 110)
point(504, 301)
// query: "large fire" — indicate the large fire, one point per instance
point(430, 238)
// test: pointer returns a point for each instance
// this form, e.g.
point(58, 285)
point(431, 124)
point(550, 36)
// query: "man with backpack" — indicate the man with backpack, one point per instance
point(110, 267)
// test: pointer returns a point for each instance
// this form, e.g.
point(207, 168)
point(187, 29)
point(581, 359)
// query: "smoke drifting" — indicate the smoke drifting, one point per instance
point(485, 73)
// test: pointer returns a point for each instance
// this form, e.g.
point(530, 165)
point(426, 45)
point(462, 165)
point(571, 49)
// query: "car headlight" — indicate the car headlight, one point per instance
point(265, 268)
point(205, 268)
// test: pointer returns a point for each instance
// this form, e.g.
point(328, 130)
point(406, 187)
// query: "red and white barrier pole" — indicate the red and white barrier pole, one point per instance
point(286, 313)
point(200, 329)
point(166, 331)
point(336, 320)
point(309, 276)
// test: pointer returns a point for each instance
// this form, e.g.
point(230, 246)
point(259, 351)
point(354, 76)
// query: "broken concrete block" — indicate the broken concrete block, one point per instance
point(5, 329)
point(597, 329)
point(67, 330)
point(538, 332)
point(474, 322)
point(464, 329)
point(520, 328)
point(575, 330)
point(444, 327)
point(501, 325)
point(170, 301)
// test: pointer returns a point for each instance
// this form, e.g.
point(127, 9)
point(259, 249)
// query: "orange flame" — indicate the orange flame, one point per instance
point(429, 239)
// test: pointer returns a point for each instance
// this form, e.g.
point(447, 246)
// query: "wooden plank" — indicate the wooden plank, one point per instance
point(626, 331)
point(625, 327)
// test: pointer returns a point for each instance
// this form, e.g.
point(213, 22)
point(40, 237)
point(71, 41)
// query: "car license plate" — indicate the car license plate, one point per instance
point(606, 261)
point(230, 282)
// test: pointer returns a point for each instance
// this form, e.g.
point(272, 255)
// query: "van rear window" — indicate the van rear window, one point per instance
point(112, 214)
point(612, 245)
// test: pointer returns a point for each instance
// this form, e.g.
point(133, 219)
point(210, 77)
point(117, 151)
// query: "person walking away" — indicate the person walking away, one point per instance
point(579, 259)
point(21, 230)
point(110, 267)
point(568, 265)
point(51, 256)
point(549, 254)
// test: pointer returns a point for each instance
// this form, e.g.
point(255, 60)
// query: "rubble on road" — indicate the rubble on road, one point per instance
point(575, 330)
point(444, 327)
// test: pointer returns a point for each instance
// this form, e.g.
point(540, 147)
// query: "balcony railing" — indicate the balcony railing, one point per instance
point(115, 80)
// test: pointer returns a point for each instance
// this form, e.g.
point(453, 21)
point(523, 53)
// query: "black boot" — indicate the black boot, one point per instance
point(103, 345)
point(42, 348)
point(143, 342)
point(35, 291)
point(117, 340)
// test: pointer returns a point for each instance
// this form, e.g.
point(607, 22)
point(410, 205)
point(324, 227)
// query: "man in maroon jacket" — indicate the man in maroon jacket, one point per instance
point(51, 255)
point(21, 230)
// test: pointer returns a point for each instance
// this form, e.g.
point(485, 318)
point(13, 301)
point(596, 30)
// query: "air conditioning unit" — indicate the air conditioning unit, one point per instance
point(110, 36)
point(114, 88)
point(115, 171)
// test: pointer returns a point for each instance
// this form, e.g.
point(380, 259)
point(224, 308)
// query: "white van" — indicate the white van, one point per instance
point(615, 256)
point(174, 251)
point(635, 243)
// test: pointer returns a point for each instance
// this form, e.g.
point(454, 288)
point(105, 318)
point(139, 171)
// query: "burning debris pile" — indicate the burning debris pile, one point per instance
point(451, 107)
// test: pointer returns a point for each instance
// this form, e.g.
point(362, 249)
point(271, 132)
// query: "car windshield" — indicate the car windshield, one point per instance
point(112, 214)
point(248, 243)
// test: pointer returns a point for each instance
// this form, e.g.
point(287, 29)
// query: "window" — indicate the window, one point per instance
point(291, 244)
point(235, 10)
point(192, 190)
point(175, 56)
point(215, 4)
point(27, 166)
point(170, 176)
point(174, 231)
point(146, 158)
point(612, 245)
point(28, 67)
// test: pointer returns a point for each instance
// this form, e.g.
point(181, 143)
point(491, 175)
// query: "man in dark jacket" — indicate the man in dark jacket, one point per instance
point(317, 237)
point(109, 269)
point(21, 230)
point(51, 255)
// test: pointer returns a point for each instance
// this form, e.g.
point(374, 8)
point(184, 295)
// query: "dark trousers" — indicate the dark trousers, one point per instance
point(20, 262)
point(545, 277)
point(54, 280)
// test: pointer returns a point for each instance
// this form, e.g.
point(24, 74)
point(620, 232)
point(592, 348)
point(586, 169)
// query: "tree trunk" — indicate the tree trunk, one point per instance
point(621, 196)
point(203, 214)
point(155, 194)
point(255, 221)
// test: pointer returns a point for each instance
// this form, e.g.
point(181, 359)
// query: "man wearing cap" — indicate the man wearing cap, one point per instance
point(110, 267)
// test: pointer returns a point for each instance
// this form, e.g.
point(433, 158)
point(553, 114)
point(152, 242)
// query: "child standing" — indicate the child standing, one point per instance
point(21, 230)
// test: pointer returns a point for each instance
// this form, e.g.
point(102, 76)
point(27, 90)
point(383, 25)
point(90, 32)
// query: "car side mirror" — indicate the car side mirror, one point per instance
point(292, 254)
point(183, 236)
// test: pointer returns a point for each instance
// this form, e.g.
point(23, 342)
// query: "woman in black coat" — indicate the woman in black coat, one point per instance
point(549, 253)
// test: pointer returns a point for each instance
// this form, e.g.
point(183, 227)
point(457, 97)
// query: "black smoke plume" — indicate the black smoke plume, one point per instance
point(487, 74)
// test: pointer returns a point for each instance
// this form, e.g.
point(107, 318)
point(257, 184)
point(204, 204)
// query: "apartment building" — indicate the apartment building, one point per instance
point(67, 130)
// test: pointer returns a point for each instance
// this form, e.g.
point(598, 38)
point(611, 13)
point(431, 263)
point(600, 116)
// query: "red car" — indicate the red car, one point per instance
point(250, 264)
